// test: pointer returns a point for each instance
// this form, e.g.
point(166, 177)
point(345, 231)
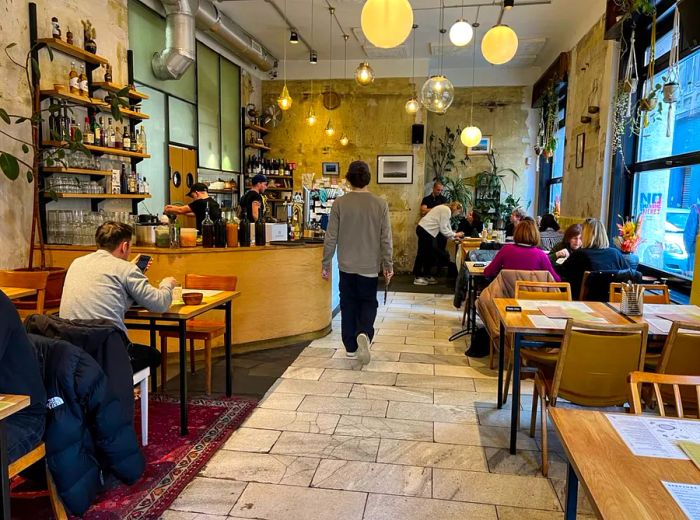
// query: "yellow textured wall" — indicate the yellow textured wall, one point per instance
point(376, 124)
point(110, 20)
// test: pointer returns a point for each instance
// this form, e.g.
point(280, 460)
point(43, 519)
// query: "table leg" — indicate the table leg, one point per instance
point(467, 301)
point(154, 373)
point(501, 358)
point(570, 505)
point(515, 403)
point(4, 478)
point(473, 306)
point(227, 349)
point(182, 331)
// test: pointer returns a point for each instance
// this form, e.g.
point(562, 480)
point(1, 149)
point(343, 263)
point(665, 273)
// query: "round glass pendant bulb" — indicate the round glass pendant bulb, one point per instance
point(311, 118)
point(386, 23)
point(329, 129)
point(412, 106)
point(344, 140)
point(461, 33)
point(285, 100)
point(437, 94)
point(364, 75)
point(470, 136)
point(499, 44)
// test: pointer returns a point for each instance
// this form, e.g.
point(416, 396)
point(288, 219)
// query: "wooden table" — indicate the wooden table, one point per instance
point(475, 270)
point(179, 314)
point(659, 326)
point(17, 403)
point(17, 292)
point(519, 324)
point(620, 484)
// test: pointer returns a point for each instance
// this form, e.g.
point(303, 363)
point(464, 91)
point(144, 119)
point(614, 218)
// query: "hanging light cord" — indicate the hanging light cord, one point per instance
point(284, 42)
point(313, 46)
point(330, 47)
point(345, 58)
point(442, 28)
point(475, 26)
point(413, 61)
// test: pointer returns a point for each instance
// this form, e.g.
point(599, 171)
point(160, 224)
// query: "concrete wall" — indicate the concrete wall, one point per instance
point(586, 190)
point(110, 19)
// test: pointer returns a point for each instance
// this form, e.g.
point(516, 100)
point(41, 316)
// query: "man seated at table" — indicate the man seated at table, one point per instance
point(104, 284)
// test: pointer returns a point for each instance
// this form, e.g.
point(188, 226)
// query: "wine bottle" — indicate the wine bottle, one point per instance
point(88, 135)
point(144, 142)
point(83, 82)
point(260, 229)
point(97, 130)
point(207, 230)
point(54, 124)
point(126, 139)
point(73, 82)
point(111, 137)
point(123, 181)
point(244, 229)
point(117, 138)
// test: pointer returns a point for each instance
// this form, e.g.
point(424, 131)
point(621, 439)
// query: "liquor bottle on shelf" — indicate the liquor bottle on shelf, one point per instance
point(73, 81)
point(244, 229)
point(111, 136)
point(117, 137)
point(55, 28)
point(126, 140)
point(207, 230)
point(141, 184)
point(65, 124)
point(144, 142)
point(123, 181)
point(281, 168)
point(97, 129)
point(54, 122)
point(74, 129)
point(134, 141)
point(69, 37)
point(88, 135)
point(83, 82)
point(108, 73)
point(146, 186)
point(133, 182)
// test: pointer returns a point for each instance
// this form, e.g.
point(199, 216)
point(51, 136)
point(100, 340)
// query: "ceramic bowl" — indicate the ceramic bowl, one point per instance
point(193, 298)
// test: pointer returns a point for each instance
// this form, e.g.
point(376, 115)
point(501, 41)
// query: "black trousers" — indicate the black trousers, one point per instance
point(143, 356)
point(358, 307)
point(431, 251)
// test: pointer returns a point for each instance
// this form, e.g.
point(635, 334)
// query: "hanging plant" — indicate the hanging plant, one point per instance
point(551, 121)
point(649, 103)
point(630, 7)
point(539, 144)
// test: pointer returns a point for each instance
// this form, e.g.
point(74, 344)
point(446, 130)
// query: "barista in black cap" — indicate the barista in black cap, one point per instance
point(252, 202)
point(198, 207)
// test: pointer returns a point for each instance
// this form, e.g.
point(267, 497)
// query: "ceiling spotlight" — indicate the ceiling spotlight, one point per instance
point(293, 37)
point(461, 33)
point(508, 4)
point(313, 57)
point(364, 75)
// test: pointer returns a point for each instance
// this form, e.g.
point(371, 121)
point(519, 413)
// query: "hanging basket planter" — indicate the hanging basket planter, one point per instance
point(649, 103)
point(671, 92)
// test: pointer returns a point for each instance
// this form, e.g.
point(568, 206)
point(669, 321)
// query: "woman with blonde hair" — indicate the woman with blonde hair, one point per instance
point(437, 221)
point(595, 254)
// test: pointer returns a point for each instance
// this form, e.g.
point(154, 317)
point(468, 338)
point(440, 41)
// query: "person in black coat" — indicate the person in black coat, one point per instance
point(594, 255)
point(19, 374)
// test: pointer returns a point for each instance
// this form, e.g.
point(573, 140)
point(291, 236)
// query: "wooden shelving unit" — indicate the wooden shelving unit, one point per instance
point(256, 128)
point(100, 150)
point(66, 94)
point(258, 146)
point(112, 87)
point(73, 50)
point(132, 196)
point(279, 189)
point(76, 171)
point(132, 114)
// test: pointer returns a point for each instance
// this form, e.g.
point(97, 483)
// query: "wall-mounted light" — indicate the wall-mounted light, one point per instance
point(293, 37)
point(364, 75)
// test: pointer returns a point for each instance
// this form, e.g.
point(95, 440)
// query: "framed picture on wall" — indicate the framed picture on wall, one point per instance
point(483, 148)
point(330, 168)
point(580, 149)
point(394, 169)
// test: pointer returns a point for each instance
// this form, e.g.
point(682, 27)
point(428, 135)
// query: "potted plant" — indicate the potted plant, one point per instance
point(491, 180)
point(458, 189)
point(629, 239)
point(441, 153)
point(34, 155)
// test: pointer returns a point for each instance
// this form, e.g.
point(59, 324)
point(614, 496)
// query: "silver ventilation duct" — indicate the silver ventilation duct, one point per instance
point(179, 52)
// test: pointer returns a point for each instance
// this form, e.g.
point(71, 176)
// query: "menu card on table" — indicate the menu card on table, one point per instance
point(648, 436)
point(687, 496)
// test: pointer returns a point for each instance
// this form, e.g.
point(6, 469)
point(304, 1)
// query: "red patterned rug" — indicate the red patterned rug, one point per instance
point(172, 461)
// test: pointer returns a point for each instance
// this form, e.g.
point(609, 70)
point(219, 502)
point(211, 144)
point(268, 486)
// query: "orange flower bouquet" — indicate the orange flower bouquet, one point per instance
point(630, 234)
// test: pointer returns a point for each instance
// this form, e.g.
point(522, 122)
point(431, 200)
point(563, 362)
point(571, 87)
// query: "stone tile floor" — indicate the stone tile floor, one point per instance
point(414, 434)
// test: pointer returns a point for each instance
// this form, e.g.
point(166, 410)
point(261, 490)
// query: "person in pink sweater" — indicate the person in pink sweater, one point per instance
point(523, 255)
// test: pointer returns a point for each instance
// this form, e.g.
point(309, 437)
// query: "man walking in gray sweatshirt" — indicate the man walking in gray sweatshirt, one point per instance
point(360, 229)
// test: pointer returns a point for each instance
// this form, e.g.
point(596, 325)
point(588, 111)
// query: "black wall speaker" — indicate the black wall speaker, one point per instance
point(417, 133)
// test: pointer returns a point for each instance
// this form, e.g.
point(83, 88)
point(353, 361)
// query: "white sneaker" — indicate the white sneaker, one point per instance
point(431, 280)
point(363, 343)
point(420, 281)
point(351, 355)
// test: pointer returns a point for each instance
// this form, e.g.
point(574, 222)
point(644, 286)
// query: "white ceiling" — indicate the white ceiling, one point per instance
point(544, 31)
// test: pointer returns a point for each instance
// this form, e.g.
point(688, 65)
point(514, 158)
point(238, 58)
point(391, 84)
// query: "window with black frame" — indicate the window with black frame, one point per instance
point(552, 161)
point(664, 186)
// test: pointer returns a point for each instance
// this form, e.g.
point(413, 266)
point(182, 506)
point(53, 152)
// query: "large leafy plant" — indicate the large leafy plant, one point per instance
point(441, 153)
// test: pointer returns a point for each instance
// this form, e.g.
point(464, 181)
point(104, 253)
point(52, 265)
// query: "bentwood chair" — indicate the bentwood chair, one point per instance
point(27, 280)
point(543, 358)
point(197, 329)
point(29, 459)
point(653, 293)
point(592, 367)
point(636, 379)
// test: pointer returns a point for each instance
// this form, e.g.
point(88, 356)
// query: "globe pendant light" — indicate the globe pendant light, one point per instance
point(364, 75)
point(471, 135)
point(285, 100)
point(461, 33)
point(499, 44)
point(386, 23)
point(438, 93)
point(412, 105)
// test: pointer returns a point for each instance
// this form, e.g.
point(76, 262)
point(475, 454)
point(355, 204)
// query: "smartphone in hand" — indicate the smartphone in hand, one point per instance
point(142, 262)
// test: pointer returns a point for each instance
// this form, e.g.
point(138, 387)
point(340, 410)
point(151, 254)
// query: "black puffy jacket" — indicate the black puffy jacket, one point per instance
point(86, 434)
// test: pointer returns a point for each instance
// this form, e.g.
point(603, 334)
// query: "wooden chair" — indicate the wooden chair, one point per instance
point(653, 293)
point(205, 330)
point(27, 280)
point(592, 367)
point(27, 460)
point(536, 357)
point(636, 379)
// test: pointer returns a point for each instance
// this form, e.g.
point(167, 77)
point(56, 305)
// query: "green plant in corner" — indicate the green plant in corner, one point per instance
point(33, 154)
point(458, 189)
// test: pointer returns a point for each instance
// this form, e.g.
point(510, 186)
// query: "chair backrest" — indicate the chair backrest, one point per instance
point(594, 361)
point(636, 379)
point(525, 290)
point(681, 355)
point(211, 281)
point(653, 293)
point(595, 285)
point(28, 280)
point(482, 255)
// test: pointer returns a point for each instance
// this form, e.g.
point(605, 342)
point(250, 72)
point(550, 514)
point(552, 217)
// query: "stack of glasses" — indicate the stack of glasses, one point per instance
point(77, 227)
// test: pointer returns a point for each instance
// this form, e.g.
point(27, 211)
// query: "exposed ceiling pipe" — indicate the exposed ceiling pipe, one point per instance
point(181, 18)
point(179, 51)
